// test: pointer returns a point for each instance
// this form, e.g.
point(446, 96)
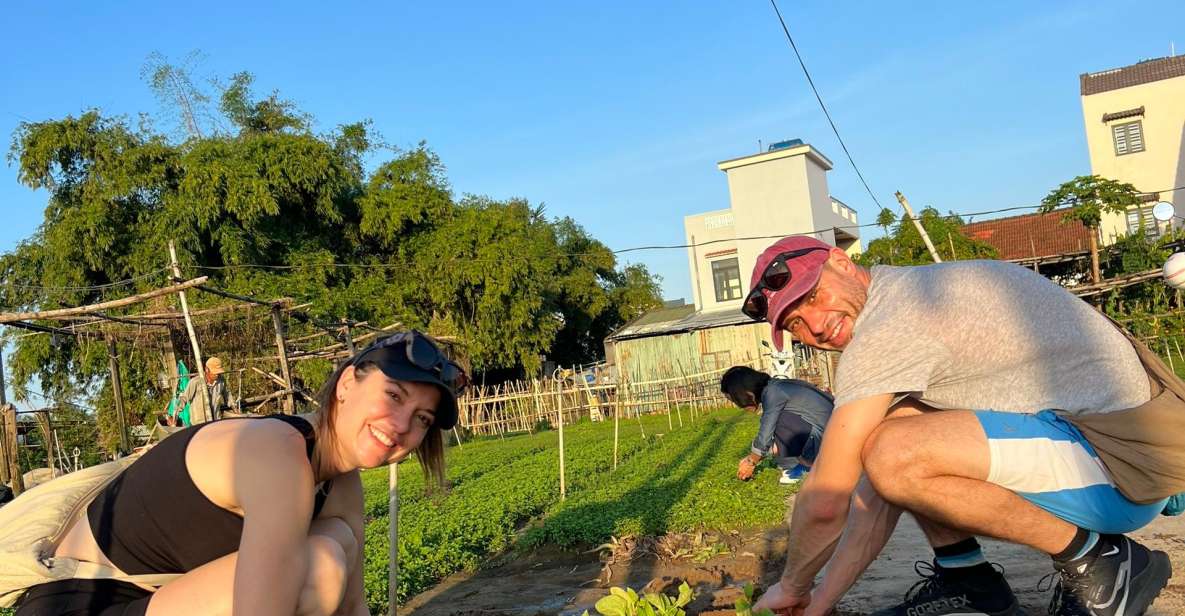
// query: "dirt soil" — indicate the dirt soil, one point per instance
point(567, 583)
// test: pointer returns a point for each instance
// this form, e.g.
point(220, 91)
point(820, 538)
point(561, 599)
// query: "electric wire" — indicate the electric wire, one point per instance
point(502, 258)
point(823, 106)
point(95, 287)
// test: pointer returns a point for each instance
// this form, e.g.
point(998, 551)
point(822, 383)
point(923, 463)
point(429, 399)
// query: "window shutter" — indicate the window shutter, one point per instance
point(1120, 133)
point(1129, 137)
point(1135, 137)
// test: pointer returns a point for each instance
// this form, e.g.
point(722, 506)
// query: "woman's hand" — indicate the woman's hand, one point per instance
point(745, 468)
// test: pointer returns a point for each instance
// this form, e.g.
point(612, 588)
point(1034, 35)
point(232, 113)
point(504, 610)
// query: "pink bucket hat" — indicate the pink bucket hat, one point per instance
point(805, 270)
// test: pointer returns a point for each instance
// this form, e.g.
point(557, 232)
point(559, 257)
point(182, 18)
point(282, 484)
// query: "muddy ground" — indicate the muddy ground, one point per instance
point(554, 582)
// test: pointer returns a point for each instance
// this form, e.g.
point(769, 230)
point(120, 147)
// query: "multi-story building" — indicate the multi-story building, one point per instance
point(772, 194)
point(1135, 130)
point(780, 192)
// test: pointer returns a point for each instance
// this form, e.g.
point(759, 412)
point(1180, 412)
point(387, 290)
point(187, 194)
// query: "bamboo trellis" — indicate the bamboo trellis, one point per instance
point(519, 406)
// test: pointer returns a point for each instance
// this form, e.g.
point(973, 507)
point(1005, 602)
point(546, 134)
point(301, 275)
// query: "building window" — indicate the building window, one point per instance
point(726, 275)
point(1141, 216)
point(1129, 137)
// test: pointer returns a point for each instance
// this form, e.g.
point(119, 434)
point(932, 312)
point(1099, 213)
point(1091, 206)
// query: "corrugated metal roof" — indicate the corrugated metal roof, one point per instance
point(682, 319)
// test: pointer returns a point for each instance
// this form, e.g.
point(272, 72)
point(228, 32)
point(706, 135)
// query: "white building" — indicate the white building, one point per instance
point(772, 194)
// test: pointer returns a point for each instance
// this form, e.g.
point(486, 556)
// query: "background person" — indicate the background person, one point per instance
point(262, 516)
point(793, 416)
point(202, 410)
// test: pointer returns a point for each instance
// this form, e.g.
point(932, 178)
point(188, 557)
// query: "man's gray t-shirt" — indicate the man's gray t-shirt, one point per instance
point(986, 335)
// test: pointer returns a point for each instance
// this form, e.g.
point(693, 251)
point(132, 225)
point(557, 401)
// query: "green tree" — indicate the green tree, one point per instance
point(272, 209)
point(885, 219)
point(904, 245)
point(1088, 197)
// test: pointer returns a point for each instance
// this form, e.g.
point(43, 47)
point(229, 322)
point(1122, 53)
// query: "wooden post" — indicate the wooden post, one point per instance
point(3, 385)
point(637, 410)
point(1169, 354)
point(458, 437)
point(4, 467)
point(667, 394)
point(46, 425)
point(537, 397)
point(560, 414)
point(917, 223)
point(193, 341)
point(8, 416)
point(667, 403)
point(117, 393)
point(393, 537)
point(285, 367)
point(349, 334)
point(616, 418)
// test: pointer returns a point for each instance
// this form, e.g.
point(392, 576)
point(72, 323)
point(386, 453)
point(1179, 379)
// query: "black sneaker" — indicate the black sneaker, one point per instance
point(983, 591)
point(1123, 580)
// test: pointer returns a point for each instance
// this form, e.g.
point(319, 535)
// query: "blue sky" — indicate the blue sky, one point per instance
point(615, 113)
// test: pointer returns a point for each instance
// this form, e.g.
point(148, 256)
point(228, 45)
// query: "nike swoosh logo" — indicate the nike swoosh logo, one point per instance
point(1121, 584)
point(1114, 550)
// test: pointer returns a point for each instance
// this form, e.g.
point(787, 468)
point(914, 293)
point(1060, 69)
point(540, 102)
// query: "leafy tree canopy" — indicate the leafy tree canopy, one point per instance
point(903, 245)
point(1088, 197)
point(266, 209)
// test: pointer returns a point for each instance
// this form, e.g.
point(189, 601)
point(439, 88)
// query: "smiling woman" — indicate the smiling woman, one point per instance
point(261, 515)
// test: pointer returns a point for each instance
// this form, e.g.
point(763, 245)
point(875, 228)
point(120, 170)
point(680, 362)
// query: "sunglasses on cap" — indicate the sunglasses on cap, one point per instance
point(421, 353)
point(775, 277)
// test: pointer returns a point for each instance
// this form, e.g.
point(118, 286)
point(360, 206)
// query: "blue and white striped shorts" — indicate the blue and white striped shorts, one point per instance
point(1046, 460)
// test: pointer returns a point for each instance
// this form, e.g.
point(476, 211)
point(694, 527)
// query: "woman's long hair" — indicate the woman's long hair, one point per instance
point(743, 385)
point(430, 452)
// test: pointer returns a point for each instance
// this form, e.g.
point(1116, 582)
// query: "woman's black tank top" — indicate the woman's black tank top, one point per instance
point(153, 519)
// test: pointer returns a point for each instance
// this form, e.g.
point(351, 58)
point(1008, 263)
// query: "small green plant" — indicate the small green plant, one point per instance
point(626, 602)
point(708, 552)
point(744, 605)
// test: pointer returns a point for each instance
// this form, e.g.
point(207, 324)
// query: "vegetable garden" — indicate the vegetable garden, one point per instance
point(504, 495)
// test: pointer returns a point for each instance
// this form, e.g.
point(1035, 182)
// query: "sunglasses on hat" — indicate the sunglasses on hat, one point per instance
point(421, 353)
point(775, 277)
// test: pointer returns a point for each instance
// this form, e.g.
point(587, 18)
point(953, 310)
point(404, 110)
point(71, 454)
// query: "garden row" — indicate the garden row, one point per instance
point(670, 481)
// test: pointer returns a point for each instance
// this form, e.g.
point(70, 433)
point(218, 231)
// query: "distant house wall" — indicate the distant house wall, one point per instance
point(677, 354)
point(685, 353)
point(771, 194)
point(718, 228)
point(1153, 94)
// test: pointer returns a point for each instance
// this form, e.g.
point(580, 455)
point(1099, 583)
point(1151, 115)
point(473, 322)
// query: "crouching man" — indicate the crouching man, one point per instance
point(984, 400)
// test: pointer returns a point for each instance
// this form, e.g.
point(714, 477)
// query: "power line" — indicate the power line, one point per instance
point(96, 287)
point(502, 258)
point(823, 106)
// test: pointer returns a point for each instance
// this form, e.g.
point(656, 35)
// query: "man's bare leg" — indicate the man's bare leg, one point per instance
point(937, 465)
point(871, 522)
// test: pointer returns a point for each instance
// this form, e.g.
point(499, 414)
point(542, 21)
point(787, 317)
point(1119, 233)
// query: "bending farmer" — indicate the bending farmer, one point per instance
point(262, 516)
point(793, 415)
point(963, 395)
point(195, 395)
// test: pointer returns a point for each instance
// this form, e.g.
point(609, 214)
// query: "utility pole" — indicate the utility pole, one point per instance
point(917, 223)
point(193, 341)
point(117, 394)
point(285, 365)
